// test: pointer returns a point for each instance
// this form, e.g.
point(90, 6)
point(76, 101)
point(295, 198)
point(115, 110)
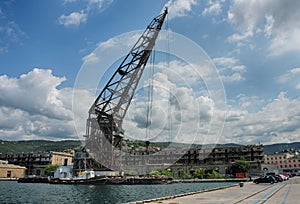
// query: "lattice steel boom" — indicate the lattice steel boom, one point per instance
point(104, 129)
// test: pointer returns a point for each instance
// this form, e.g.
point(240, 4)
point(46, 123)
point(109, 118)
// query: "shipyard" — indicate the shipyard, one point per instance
point(172, 101)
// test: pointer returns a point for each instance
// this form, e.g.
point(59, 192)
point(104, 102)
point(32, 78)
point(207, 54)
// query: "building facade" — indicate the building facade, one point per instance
point(286, 161)
point(11, 171)
point(187, 160)
point(36, 162)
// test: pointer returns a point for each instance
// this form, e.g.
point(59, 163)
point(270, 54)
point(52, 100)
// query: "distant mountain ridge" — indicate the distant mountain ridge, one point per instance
point(48, 145)
point(37, 146)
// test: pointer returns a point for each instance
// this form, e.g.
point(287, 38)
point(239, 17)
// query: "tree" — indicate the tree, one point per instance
point(49, 169)
point(240, 166)
point(208, 173)
point(199, 173)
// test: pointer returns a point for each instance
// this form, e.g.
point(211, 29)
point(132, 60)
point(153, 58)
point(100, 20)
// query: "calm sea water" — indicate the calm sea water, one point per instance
point(13, 192)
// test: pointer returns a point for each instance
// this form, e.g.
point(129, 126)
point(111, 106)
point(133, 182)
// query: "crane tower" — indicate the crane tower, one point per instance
point(104, 131)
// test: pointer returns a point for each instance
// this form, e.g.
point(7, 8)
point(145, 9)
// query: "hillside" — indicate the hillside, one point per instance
point(37, 146)
point(270, 149)
point(46, 145)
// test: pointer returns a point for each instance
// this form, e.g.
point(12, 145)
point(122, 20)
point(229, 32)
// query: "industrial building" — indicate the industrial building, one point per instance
point(11, 171)
point(36, 162)
point(219, 158)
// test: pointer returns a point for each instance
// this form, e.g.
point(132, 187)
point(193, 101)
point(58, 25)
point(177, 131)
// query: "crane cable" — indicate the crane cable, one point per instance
point(150, 96)
point(169, 88)
point(151, 87)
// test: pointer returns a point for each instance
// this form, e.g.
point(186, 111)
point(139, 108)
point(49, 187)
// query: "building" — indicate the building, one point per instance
point(223, 154)
point(36, 162)
point(179, 159)
point(11, 171)
point(285, 161)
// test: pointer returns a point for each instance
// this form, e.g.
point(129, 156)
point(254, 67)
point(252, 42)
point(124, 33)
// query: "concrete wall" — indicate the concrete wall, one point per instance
point(11, 171)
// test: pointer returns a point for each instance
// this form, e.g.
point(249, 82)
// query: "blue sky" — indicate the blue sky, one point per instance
point(254, 45)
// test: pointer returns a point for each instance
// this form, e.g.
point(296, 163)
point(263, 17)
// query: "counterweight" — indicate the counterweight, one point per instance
point(104, 131)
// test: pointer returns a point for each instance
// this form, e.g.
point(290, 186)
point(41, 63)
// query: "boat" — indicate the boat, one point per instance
point(34, 179)
point(89, 181)
point(63, 175)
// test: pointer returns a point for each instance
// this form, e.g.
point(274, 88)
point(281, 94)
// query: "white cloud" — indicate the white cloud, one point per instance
point(230, 69)
point(175, 106)
point(291, 77)
point(214, 7)
point(32, 107)
point(98, 4)
point(276, 122)
point(277, 19)
point(73, 19)
point(179, 8)
point(10, 32)
point(90, 58)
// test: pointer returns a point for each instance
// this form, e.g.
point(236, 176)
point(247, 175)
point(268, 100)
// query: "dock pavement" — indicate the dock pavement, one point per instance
point(286, 192)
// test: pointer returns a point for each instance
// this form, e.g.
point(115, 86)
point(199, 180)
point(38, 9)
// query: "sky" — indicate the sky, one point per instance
point(231, 74)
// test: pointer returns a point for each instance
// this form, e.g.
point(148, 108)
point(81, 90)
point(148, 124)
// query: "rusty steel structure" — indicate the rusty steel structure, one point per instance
point(104, 131)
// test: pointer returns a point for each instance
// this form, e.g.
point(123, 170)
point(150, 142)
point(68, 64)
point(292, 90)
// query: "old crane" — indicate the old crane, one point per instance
point(104, 131)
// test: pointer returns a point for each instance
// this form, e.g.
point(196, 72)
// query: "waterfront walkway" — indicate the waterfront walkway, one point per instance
point(284, 193)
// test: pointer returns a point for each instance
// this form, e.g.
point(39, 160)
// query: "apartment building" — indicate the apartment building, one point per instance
point(36, 162)
point(288, 160)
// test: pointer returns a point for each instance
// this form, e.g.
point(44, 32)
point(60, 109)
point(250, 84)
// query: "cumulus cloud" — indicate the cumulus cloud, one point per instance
point(73, 19)
point(76, 18)
point(275, 122)
point(177, 112)
point(179, 8)
point(214, 7)
point(32, 107)
point(276, 19)
point(230, 69)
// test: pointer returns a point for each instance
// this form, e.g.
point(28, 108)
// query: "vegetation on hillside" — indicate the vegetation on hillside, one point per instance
point(47, 145)
point(37, 146)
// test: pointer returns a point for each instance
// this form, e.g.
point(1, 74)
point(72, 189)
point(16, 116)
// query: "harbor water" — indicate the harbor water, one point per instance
point(14, 192)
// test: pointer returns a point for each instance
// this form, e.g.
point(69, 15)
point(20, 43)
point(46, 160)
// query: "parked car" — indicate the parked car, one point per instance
point(278, 178)
point(265, 179)
point(289, 175)
point(283, 177)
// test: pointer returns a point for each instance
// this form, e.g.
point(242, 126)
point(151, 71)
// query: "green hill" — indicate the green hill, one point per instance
point(47, 145)
point(37, 146)
point(271, 149)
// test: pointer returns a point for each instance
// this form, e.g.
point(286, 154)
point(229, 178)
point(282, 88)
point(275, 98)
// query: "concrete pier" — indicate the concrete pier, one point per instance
point(284, 193)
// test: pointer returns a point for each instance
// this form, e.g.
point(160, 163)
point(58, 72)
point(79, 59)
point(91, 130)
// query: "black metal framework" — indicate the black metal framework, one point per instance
point(104, 130)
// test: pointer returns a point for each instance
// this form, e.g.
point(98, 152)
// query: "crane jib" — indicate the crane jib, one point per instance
point(108, 111)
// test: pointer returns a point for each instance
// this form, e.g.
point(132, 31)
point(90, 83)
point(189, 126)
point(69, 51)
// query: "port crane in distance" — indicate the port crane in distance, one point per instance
point(104, 131)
